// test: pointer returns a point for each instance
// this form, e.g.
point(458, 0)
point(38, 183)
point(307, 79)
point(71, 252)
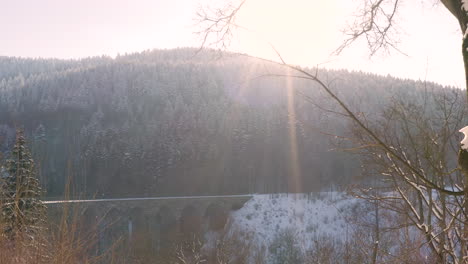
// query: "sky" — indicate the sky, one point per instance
point(305, 32)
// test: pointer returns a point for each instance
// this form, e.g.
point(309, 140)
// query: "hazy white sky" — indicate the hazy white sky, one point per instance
point(304, 31)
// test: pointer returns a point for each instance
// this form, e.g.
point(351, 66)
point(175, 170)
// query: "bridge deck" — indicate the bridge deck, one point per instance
point(247, 196)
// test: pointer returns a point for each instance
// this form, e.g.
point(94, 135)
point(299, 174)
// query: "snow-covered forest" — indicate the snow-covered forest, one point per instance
point(177, 122)
point(234, 132)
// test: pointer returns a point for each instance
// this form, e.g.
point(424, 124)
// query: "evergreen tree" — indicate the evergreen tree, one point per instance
point(22, 211)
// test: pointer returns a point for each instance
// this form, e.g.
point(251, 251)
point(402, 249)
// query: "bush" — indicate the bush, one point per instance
point(285, 249)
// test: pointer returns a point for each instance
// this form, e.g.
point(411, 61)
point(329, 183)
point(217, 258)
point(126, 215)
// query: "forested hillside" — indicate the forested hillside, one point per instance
point(172, 122)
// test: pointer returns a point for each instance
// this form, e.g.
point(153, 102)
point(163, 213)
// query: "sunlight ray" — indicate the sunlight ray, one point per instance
point(294, 179)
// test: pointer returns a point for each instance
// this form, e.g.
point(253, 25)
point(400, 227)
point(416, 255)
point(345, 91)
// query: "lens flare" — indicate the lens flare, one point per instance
point(294, 178)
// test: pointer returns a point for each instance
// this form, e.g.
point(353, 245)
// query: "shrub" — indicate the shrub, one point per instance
point(285, 249)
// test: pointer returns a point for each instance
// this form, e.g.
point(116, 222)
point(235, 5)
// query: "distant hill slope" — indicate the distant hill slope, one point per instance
point(173, 122)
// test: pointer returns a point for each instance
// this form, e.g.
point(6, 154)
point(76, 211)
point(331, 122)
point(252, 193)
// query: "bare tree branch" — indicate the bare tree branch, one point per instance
point(376, 24)
point(217, 25)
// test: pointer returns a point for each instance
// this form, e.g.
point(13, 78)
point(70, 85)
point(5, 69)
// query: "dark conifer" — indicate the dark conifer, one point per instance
point(22, 211)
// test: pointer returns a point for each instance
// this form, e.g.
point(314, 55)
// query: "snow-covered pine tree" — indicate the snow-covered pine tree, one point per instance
point(22, 211)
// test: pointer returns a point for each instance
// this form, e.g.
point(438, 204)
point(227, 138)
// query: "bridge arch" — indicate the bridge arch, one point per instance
point(89, 217)
point(159, 218)
point(87, 224)
point(112, 228)
point(167, 226)
point(216, 216)
point(191, 221)
point(136, 222)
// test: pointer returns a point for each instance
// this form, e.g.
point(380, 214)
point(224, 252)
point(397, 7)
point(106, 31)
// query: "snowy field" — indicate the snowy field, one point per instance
point(287, 228)
point(321, 213)
point(307, 216)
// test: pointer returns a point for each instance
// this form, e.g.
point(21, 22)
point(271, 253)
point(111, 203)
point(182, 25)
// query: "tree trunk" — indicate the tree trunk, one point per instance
point(465, 62)
point(465, 172)
point(377, 233)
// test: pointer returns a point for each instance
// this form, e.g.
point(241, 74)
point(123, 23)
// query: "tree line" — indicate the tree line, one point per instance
point(177, 122)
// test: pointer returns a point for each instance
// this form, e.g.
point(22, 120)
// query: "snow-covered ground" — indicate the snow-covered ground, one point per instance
point(307, 216)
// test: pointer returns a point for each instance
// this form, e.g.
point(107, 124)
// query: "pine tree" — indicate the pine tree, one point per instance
point(22, 211)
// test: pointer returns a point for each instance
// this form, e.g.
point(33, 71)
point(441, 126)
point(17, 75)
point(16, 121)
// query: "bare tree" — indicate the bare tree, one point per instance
point(218, 24)
point(410, 147)
point(375, 22)
point(414, 148)
point(423, 135)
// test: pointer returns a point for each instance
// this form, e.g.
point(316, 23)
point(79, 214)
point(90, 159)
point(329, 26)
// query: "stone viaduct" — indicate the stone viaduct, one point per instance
point(157, 221)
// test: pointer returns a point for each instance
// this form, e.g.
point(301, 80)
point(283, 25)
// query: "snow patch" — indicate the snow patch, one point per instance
point(464, 142)
point(464, 8)
point(464, 5)
point(263, 217)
